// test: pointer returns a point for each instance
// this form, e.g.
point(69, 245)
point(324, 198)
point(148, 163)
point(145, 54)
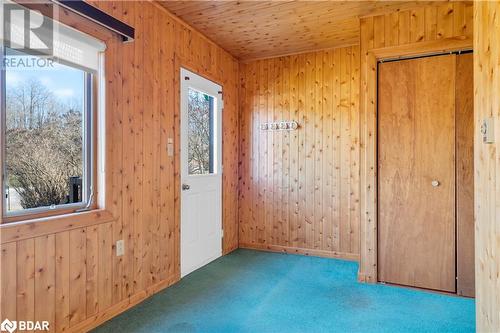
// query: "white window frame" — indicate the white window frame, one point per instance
point(89, 163)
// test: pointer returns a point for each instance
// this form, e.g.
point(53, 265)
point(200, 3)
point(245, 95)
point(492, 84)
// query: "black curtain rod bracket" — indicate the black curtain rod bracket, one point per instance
point(126, 32)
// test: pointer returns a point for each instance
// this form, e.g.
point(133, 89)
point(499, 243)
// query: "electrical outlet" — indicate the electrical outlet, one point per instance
point(120, 248)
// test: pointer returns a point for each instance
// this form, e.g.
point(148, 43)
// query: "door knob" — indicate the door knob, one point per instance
point(185, 187)
point(435, 183)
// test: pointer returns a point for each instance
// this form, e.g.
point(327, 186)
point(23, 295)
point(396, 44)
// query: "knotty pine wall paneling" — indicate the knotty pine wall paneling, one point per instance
point(299, 190)
point(464, 127)
point(71, 275)
point(429, 29)
point(487, 166)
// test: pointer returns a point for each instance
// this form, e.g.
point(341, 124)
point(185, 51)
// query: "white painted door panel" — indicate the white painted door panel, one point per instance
point(201, 171)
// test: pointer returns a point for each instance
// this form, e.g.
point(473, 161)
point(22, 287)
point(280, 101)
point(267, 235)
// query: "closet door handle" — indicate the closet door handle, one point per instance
point(435, 183)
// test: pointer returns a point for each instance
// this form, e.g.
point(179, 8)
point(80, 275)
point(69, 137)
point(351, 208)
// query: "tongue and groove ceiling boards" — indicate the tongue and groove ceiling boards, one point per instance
point(260, 29)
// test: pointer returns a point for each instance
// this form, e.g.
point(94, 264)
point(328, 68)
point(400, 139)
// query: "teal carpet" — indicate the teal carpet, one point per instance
point(251, 291)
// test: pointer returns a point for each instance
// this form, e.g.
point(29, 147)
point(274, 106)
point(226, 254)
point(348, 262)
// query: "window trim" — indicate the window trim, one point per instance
point(89, 181)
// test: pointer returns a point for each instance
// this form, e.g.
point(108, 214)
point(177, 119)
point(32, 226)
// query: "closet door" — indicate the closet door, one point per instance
point(416, 184)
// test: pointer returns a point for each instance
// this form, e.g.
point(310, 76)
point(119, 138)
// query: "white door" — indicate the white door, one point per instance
point(201, 171)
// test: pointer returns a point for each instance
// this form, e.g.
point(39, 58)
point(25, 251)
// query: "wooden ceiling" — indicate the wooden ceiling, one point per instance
point(259, 29)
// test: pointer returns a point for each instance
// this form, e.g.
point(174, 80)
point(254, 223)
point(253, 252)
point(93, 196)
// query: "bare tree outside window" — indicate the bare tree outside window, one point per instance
point(200, 122)
point(44, 133)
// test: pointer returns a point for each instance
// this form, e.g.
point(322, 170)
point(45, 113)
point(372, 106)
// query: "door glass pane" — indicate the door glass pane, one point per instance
point(200, 133)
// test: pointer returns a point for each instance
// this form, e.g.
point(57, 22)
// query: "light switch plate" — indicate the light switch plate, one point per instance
point(170, 147)
point(120, 248)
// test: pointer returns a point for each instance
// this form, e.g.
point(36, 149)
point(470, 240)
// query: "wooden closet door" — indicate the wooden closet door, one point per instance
point(416, 184)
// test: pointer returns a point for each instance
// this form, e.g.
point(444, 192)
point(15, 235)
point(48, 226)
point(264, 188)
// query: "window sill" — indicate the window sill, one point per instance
point(16, 231)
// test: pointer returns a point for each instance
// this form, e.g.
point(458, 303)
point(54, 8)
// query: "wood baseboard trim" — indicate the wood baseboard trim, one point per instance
point(118, 308)
point(230, 249)
point(363, 278)
point(301, 251)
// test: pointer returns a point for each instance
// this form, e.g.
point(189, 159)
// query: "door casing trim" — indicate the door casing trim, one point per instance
point(368, 259)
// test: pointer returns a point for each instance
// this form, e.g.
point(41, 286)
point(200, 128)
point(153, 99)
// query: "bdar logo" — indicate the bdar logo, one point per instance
point(8, 325)
point(23, 325)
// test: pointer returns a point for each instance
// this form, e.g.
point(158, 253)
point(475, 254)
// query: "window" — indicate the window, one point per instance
point(48, 116)
point(201, 132)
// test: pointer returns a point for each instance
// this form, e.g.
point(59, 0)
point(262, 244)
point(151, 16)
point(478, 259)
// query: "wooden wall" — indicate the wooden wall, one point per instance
point(423, 30)
point(464, 130)
point(68, 273)
point(487, 165)
point(299, 190)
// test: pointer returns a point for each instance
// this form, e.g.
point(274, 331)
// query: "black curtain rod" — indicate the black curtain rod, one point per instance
point(95, 14)
point(435, 54)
